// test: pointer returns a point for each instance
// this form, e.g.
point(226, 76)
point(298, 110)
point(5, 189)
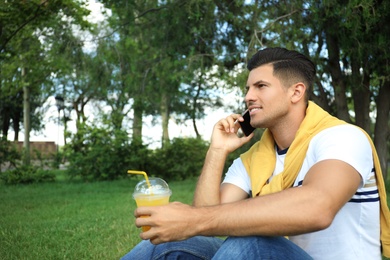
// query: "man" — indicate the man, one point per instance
point(307, 190)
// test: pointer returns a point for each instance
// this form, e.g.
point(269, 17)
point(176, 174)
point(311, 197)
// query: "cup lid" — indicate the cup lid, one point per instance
point(157, 186)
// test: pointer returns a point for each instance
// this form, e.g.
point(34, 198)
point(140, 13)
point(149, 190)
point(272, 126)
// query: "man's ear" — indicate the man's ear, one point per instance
point(298, 92)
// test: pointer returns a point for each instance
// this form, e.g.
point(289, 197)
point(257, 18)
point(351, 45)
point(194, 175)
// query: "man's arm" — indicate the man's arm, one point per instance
point(326, 188)
point(207, 191)
point(224, 140)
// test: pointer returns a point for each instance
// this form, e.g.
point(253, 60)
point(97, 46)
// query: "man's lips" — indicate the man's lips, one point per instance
point(254, 109)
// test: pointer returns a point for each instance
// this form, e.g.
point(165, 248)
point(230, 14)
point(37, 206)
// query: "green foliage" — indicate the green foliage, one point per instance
point(181, 159)
point(8, 153)
point(102, 154)
point(26, 175)
point(165, 59)
point(29, 31)
point(98, 154)
point(20, 174)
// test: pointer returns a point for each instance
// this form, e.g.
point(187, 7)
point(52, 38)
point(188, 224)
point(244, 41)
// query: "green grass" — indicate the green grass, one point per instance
point(72, 220)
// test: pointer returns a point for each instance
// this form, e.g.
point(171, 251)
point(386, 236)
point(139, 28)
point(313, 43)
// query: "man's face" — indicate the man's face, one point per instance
point(266, 98)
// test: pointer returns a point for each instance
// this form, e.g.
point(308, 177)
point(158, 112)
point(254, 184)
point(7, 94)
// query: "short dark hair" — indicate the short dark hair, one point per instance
point(289, 66)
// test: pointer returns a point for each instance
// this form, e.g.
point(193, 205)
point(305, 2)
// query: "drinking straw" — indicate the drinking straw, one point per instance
point(142, 173)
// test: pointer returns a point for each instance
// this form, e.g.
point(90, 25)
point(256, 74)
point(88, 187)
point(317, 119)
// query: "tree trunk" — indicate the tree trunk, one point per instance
point(195, 106)
point(5, 122)
point(65, 125)
point(78, 106)
point(117, 118)
point(335, 71)
point(361, 96)
point(382, 131)
point(165, 117)
point(16, 126)
point(137, 120)
point(321, 99)
point(26, 121)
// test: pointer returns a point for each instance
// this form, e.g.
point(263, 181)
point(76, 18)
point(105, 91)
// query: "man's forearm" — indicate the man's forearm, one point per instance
point(284, 213)
point(207, 191)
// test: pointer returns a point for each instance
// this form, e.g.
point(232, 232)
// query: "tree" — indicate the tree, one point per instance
point(160, 55)
point(127, 57)
point(23, 24)
point(347, 41)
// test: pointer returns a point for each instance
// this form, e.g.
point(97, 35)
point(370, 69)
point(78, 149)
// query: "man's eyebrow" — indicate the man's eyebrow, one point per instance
point(258, 83)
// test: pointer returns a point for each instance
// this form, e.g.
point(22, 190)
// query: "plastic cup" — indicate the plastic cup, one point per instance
point(157, 194)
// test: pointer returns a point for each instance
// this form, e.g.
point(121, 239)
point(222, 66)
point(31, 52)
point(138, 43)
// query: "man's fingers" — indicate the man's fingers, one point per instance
point(142, 221)
point(143, 211)
point(229, 123)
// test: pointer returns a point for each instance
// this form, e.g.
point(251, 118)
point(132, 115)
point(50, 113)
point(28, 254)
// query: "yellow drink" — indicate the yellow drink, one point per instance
point(151, 200)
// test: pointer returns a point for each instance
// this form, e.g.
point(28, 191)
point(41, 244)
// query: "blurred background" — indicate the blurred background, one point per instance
point(98, 86)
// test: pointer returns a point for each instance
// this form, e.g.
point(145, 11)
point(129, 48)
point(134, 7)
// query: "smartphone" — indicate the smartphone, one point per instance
point(246, 124)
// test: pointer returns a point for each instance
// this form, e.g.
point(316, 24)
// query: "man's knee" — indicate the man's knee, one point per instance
point(259, 247)
point(193, 248)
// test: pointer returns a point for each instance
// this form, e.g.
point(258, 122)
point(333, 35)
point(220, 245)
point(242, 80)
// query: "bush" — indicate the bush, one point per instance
point(181, 159)
point(8, 153)
point(98, 154)
point(104, 154)
point(27, 174)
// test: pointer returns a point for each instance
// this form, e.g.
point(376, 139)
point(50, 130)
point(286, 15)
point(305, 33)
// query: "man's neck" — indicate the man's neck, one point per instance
point(285, 132)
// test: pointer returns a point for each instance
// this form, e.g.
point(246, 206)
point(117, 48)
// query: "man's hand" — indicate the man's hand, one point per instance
point(224, 140)
point(168, 223)
point(224, 136)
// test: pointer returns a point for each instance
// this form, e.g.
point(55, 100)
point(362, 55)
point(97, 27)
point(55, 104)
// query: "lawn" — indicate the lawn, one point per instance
point(72, 220)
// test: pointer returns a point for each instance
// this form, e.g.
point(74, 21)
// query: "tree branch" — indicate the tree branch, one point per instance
point(270, 24)
point(139, 16)
point(36, 14)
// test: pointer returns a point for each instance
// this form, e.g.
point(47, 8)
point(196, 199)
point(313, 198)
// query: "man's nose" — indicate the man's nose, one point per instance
point(249, 96)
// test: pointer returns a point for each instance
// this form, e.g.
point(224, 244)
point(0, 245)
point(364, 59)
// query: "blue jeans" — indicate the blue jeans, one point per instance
point(254, 247)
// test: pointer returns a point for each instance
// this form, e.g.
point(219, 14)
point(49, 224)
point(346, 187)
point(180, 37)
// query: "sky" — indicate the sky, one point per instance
point(54, 132)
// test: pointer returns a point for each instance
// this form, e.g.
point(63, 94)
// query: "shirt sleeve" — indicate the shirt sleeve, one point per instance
point(346, 143)
point(238, 176)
